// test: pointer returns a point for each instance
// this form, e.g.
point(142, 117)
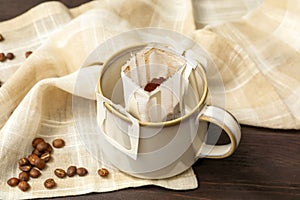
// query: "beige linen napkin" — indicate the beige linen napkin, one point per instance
point(40, 91)
point(257, 62)
point(262, 74)
point(216, 12)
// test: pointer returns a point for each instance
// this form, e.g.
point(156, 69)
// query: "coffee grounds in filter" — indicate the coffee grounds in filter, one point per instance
point(149, 101)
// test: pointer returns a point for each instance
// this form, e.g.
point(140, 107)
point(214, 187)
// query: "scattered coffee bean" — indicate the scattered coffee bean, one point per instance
point(42, 146)
point(32, 158)
point(37, 152)
point(46, 156)
point(13, 182)
point(49, 183)
point(2, 57)
point(1, 37)
point(103, 172)
point(81, 171)
point(25, 168)
point(58, 143)
point(34, 173)
point(71, 171)
point(24, 176)
point(10, 56)
point(1, 83)
point(60, 173)
point(23, 161)
point(28, 53)
point(36, 141)
point(24, 186)
point(49, 148)
point(40, 164)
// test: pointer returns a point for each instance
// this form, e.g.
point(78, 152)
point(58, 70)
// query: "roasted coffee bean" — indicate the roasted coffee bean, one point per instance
point(24, 176)
point(103, 172)
point(28, 53)
point(81, 171)
point(23, 161)
point(46, 156)
point(24, 186)
point(49, 148)
point(2, 57)
point(10, 56)
point(32, 158)
point(49, 183)
point(58, 143)
point(42, 146)
point(40, 164)
point(60, 173)
point(1, 37)
point(34, 173)
point(37, 152)
point(25, 168)
point(13, 182)
point(71, 171)
point(36, 141)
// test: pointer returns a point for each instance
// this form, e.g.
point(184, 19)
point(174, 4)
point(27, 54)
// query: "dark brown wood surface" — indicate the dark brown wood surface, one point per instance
point(265, 166)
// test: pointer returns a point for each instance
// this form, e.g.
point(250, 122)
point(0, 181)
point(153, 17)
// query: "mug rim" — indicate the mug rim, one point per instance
point(110, 108)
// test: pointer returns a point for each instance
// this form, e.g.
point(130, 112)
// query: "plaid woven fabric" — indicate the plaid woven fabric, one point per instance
point(211, 12)
point(267, 92)
point(36, 98)
point(256, 56)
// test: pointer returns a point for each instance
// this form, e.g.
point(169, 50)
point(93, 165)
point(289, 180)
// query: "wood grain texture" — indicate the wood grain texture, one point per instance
point(265, 166)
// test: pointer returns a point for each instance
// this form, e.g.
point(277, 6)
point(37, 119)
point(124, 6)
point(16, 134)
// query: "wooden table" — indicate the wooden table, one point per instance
point(265, 166)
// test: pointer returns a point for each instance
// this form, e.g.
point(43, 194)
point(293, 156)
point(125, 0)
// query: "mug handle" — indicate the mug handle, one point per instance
point(229, 124)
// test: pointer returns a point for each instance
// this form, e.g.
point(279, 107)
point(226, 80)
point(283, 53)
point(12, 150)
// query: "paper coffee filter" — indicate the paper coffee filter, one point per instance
point(166, 101)
point(152, 62)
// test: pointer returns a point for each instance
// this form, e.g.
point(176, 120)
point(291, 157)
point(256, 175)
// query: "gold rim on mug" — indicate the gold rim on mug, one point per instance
point(164, 123)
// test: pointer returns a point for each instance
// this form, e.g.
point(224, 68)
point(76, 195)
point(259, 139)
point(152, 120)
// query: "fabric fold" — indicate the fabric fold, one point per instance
point(36, 99)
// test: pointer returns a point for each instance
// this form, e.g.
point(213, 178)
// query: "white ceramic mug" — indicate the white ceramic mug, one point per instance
point(162, 149)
